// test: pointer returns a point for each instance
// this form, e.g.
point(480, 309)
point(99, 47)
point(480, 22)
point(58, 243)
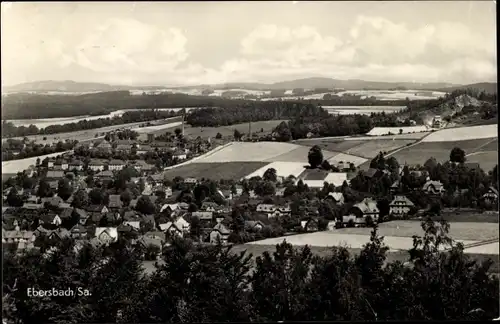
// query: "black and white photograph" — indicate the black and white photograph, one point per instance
point(249, 161)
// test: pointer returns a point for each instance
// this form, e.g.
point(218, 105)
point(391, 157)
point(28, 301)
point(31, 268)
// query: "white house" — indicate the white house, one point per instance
point(400, 205)
point(116, 165)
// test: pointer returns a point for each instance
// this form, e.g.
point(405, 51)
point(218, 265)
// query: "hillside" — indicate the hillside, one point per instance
point(488, 87)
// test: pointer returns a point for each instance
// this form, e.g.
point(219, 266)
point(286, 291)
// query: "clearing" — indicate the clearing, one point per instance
point(214, 171)
point(378, 131)
point(370, 149)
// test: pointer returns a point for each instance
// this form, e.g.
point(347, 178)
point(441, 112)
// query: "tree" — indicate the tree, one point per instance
point(270, 175)
point(218, 136)
point(238, 223)
point(326, 165)
point(144, 205)
point(315, 156)
point(96, 197)
point(237, 135)
point(457, 155)
point(14, 199)
point(64, 189)
point(44, 189)
point(126, 197)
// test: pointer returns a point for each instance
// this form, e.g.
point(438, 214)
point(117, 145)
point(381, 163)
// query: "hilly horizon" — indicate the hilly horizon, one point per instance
point(306, 83)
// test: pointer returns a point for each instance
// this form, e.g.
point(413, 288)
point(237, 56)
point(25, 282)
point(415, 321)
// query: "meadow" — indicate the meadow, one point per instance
point(214, 171)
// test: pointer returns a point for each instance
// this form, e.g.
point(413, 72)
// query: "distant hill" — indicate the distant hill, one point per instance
point(306, 83)
point(69, 86)
point(488, 87)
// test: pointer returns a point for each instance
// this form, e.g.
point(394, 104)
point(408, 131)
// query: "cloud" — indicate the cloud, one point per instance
point(127, 45)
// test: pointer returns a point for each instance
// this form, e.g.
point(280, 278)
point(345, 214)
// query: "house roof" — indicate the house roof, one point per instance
point(125, 228)
point(115, 201)
point(82, 213)
point(117, 162)
point(371, 172)
point(97, 162)
point(105, 173)
point(495, 191)
point(367, 206)
point(338, 196)
point(148, 219)
point(76, 162)
point(66, 213)
point(55, 174)
point(252, 224)
point(202, 215)
point(398, 199)
point(94, 208)
point(221, 228)
point(435, 184)
point(124, 147)
point(130, 215)
point(111, 231)
point(78, 228)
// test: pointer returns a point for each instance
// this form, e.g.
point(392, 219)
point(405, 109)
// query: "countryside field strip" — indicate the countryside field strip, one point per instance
point(299, 154)
point(463, 133)
point(370, 149)
point(214, 171)
point(377, 131)
point(195, 159)
point(245, 151)
point(156, 128)
point(15, 166)
point(482, 146)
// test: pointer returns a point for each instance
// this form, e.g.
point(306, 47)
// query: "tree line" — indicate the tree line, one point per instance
point(197, 283)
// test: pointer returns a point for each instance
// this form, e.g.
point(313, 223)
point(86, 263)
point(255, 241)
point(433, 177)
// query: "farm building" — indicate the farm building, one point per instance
point(400, 205)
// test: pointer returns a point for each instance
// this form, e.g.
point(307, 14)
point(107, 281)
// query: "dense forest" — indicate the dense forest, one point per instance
point(9, 130)
point(196, 283)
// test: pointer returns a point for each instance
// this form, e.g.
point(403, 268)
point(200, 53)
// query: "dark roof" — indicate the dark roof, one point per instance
point(66, 213)
point(130, 215)
point(94, 208)
point(114, 201)
point(371, 172)
point(474, 166)
point(55, 174)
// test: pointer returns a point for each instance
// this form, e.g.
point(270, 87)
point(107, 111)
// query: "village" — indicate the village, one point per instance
point(112, 188)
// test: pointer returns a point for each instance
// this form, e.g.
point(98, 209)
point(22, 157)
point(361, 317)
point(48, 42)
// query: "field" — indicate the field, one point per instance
point(156, 128)
point(314, 174)
point(347, 158)
point(283, 169)
point(378, 131)
point(463, 133)
point(214, 171)
point(487, 160)
point(370, 149)
point(419, 153)
point(336, 145)
point(246, 151)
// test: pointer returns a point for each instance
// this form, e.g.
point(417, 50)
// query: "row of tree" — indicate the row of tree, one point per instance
point(196, 283)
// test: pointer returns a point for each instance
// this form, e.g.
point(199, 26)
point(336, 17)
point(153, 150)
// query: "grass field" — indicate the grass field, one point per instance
point(487, 160)
point(419, 153)
point(331, 144)
point(466, 217)
point(215, 171)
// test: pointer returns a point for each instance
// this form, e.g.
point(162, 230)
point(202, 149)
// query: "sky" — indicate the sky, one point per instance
point(187, 43)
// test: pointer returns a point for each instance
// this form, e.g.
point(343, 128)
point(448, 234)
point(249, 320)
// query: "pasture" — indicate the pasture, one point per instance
point(378, 131)
point(214, 171)
point(421, 152)
point(347, 158)
point(299, 154)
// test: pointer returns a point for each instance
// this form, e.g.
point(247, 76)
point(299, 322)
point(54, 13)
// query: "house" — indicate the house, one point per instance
point(116, 165)
point(395, 186)
point(180, 155)
point(203, 215)
point(433, 187)
point(372, 173)
point(76, 165)
point(106, 235)
point(18, 236)
point(180, 226)
point(336, 197)
point(53, 184)
point(280, 192)
point(96, 165)
point(239, 190)
point(50, 218)
point(50, 162)
point(362, 213)
point(54, 175)
point(59, 234)
point(148, 221)
point(190, 181)
point(309, 225)
point(227, 194)
point(143, 149)
point(472, 166)
point(64, 165)
point(31, 206)
point(168, 192)
point(106, 175)
point(400, 205)
point(124, 230)
point(219, 232)
point(265, 208)
point(332, 225)
point(53, 201)
point(209, 206)
point(147, 168)
point(78, 232)
point(115, 202)
point(253, 226)
point(132, 219)
point(169, 208)
point(491, 196)
point(152, 238)
point(103, 146)
point(123, 148)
